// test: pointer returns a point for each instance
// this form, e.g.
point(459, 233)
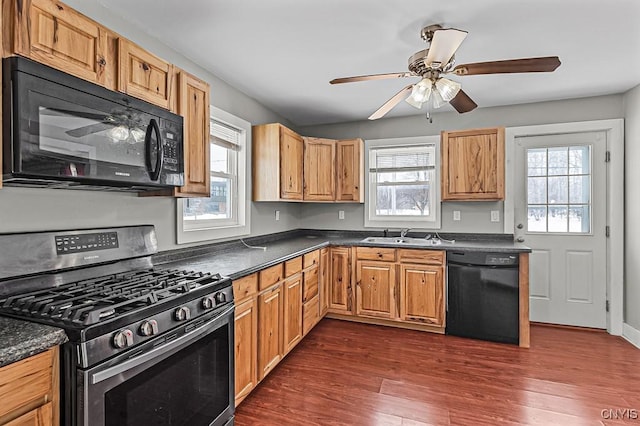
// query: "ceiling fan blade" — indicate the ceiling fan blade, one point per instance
point(443, 46)
point(90, 129)
point(371, 77)
point(545, 64)
point(80, 114)
point(463, 103)
point(388, 106)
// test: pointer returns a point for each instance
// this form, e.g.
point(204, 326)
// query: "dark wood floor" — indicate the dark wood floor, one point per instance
point(346, 373)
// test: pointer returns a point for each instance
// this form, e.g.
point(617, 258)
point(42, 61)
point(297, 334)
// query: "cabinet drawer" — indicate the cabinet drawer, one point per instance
point(428, 257)
point(292, 266)
point(310, 285)
point(245, 287)
point(270, 276)
point(311, 259)
point(25, 382)
point(311, 314)
point(376, 253)
point(41, 416)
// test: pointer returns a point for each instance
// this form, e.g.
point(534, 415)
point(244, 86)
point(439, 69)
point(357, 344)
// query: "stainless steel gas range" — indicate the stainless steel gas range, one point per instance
point(147, 346)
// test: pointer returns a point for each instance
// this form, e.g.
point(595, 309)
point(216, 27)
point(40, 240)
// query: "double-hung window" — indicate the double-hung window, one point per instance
point(403, 183)
point(224, 213)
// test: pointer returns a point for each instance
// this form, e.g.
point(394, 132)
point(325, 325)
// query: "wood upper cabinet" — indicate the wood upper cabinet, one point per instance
point(340, 290)
point(292, 319)
point(319, 169)
point(277, 163)
point(145, 76)
point(422, 294)
point(473, 164)
point(29, 390)
point(54, 34)
point(324, 281)
point(270, 326)
point(350, 170)
point(376, 289)
point(246, 348)
point(193, 105)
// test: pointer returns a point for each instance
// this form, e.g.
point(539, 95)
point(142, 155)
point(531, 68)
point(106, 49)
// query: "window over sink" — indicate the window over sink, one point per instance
point(403, 183)
point(224, 214)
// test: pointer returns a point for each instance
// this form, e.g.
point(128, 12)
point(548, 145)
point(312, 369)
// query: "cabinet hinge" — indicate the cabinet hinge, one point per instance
point(607, 231)
point(606, 305)
point(607, 156)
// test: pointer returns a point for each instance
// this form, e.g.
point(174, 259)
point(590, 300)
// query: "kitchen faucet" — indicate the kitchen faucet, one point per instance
point(404, 232)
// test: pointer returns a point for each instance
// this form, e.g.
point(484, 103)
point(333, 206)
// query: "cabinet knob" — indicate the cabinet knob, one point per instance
point(520, 240)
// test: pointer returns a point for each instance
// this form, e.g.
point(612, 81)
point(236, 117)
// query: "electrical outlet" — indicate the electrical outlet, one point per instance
point(495, 215)
point(341, 214)
point(456, 215)
point(277, 214)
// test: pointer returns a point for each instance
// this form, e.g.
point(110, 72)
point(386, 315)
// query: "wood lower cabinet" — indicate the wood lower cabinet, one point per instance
point(324, 281)
point(270, 328)
point(292, 314)
point(319, 169)
point(246, 345)
point(29, 390)
point(376, 289)
point(422, 294)
point(473, 165)
point(350, 170)
point(340, 290)
point(54, 34)
point(145, 76)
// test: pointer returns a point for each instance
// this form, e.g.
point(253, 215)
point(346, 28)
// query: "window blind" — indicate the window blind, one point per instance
point(225, 136)
point(407, 159)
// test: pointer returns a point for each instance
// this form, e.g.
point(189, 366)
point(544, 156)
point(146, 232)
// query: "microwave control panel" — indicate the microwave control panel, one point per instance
point(171, 145)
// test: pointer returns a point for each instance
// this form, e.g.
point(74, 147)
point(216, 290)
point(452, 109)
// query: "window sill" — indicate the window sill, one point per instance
point(210, 234)
point(402, 223)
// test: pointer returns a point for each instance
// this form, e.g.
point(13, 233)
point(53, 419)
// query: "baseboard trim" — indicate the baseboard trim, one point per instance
point(631, 335)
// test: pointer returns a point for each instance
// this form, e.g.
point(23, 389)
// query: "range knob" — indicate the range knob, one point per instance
point(149, 327)
point(183, 313)
point(123, 339)
point(208, 302)
point(220, 298)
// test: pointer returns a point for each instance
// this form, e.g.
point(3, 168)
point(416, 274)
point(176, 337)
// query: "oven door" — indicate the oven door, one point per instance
point(187, 380)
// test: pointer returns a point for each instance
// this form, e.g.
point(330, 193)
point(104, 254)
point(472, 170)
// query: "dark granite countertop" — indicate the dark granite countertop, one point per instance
point(235, 260)
point(20, 339)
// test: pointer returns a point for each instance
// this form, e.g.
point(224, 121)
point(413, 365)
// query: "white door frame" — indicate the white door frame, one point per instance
point(615, 200)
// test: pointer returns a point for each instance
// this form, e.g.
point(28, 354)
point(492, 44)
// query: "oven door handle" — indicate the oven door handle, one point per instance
point(148, 356)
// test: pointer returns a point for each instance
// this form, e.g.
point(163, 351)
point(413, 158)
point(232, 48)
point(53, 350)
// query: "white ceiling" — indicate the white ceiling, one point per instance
point(284, 52)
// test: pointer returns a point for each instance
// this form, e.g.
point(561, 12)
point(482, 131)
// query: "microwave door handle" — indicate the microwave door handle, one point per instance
point(152, 129)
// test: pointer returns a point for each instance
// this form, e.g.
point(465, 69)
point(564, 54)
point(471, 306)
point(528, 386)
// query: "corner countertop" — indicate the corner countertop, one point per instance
point(20, 339)
point(235, 260)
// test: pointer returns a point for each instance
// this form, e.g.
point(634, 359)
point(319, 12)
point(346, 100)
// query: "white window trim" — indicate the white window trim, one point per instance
point(224, 230)
point(404, 221)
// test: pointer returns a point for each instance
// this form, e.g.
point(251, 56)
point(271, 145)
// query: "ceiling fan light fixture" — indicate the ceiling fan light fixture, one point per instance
point(421, 91)
point(447, 89)
point(436, 100)
point(118, 133)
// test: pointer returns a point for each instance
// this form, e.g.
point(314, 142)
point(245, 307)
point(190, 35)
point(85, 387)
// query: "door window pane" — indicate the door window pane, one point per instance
point(559, 189)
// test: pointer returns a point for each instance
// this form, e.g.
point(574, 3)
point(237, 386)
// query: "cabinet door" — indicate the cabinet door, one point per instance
point(269, 330)
point(292, 332)
point(340, 291)
point(422, 294)
point(246, 348)
point(145, 76)
point(376, 289)
point(350, 173)
point(323, 283)
point(473, 164)
point(193, 105)
point(291, 156)
point(41, 416)
point(319, 169)
point(52, 33)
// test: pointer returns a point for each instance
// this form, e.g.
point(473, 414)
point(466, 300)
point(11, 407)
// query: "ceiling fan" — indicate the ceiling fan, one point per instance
point(439, 59)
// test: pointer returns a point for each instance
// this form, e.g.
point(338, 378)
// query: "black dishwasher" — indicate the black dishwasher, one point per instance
point(482, 296)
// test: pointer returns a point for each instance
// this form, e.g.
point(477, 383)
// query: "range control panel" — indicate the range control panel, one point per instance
point(67, 244)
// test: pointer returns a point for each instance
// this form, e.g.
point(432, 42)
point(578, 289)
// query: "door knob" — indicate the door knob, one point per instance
point(520, 240)
point(520, 226)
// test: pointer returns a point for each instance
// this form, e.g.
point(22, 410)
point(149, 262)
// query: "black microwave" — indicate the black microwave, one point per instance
point(63, 132)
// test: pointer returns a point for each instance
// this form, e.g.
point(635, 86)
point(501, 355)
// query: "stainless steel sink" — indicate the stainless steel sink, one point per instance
point(404, 241)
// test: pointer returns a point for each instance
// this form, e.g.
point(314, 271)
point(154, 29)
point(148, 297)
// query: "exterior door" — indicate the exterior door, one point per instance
point(560, 212)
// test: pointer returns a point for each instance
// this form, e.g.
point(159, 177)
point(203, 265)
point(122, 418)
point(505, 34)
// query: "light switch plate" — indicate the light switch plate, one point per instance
point(341, 214)
point(456, 215)
point(277, 214)
point(495, 215)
